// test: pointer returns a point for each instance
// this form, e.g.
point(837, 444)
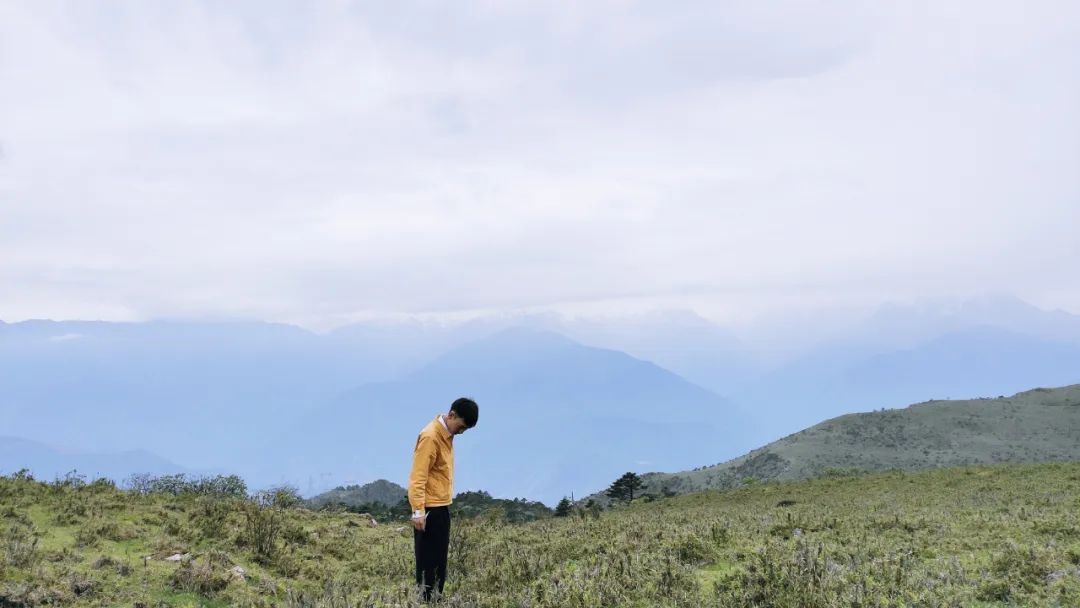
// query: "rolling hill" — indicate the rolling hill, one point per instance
point(380, 491)
point(1039, 425)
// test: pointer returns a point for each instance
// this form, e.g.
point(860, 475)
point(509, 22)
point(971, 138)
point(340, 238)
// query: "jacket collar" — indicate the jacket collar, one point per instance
point(445, 430)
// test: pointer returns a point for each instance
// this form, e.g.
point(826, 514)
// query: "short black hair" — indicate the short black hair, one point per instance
point(467, 410)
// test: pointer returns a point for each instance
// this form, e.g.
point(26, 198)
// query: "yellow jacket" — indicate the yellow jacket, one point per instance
point(431, 481)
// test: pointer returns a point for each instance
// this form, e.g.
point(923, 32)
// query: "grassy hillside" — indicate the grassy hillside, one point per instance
point(976, 536)
point(1040, 425)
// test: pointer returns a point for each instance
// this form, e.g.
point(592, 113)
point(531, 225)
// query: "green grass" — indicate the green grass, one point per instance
point(1005, 535)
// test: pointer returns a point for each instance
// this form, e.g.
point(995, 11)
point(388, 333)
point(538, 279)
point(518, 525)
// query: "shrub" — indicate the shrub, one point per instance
point(210, 517)
point(295, 534)
point(201, 578)
point(220, 486)
point(96, 530)
point(20, 545)
point(281, 497)
point(80, 585)
point(71, 510)
point(103, 561)
point(1015, 571)
point(719, 533)
point(690, 549)
point(102, 484)
point(72, 480)
point(288, 565)
point(262, 527)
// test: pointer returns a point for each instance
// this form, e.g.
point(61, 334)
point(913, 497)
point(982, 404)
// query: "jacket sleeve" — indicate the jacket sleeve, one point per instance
point(423, 460)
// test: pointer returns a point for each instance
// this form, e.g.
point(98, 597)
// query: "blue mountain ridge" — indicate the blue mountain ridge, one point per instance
point(555, 417)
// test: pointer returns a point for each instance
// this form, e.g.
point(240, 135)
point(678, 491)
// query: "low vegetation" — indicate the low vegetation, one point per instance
point(973, 536)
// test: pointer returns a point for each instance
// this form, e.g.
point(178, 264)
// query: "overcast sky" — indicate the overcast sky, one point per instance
point(316, 162)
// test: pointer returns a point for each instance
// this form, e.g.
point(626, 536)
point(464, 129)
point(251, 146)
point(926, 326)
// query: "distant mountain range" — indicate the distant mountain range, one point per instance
point(582, 398)
point(1039, 425)
point(197, 393)
point(979, 361)
point(555, 416)
point(206, 393)
point(47, 463)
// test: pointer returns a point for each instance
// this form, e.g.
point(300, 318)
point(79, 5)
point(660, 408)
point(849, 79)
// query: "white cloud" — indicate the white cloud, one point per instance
point(318, 160)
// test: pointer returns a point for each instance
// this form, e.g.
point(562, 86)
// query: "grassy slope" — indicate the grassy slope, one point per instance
point(967, 536)
point(1041, 425)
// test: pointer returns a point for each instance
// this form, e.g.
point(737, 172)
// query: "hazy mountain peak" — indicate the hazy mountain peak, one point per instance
point(515, 341)
point(528, 335)
point(999, 303)
point(46, 461)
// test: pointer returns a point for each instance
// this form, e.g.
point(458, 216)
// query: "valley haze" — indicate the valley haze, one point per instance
point(572, 402)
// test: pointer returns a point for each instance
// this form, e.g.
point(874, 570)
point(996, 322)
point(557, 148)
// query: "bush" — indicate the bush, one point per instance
point(1015, 571)
point(70, 481)
point(35, 593)
point(201, 578)
point(89, 535)
point(93, 531)
point(80, 585)
point(281, 497)
point(102, 484)
point(72, 509)
point(103, 561)
point(288, 565)
point(692, 550)
point(719, 533)
point(210, 517)
point(15, 516)
point(295, 534)
point(262, 526)
point(220, 486)
point(20, 546)
point(173, 527)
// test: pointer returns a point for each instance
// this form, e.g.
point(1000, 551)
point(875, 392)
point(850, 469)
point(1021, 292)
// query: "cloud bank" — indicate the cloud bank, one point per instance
point(315, 162)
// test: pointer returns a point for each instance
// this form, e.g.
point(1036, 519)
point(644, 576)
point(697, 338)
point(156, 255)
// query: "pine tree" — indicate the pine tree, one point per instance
point(633, 483)
point(563, 508)
point(624, 487)
point(617, 490)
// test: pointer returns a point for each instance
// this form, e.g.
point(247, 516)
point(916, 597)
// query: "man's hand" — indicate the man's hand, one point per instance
point(419, 521)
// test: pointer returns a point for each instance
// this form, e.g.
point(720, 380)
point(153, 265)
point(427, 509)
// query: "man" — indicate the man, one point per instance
point(431, 486)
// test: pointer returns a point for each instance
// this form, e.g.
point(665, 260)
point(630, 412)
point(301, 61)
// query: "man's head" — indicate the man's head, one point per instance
point(463, 415)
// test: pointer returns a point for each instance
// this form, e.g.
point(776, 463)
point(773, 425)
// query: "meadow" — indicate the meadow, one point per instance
point(1002, 535)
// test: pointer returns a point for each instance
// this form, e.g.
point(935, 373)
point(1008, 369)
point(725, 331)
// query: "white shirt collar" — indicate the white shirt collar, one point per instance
point(444, 425)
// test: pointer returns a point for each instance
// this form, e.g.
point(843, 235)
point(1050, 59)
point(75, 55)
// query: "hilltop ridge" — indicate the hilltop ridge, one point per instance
point(1038, 425)
point(380, 491)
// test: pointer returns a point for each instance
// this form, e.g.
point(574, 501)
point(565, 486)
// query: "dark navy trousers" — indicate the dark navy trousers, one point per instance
point(431, 547)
